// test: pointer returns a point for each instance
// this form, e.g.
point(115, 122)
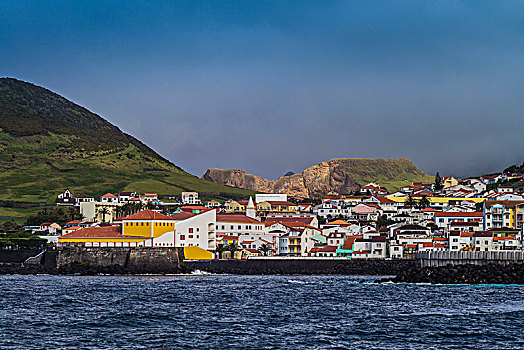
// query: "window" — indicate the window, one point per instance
point(190, 236)
point(190, 230)
point(182, 237)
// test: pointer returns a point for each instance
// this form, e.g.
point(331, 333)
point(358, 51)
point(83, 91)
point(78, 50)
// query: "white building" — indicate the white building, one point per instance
point(190, 198)
point(198, 230)
point(238, 225)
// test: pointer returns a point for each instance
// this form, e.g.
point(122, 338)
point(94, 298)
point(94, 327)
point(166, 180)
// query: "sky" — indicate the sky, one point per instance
point(277, 86)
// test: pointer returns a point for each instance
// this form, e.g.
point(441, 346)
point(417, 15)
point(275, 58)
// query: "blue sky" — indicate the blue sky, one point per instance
point(273, 86)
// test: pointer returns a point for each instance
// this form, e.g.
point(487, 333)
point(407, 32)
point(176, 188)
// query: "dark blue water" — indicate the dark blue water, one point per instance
point(254, 312)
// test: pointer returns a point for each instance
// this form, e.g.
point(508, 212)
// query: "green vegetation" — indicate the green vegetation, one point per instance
point(12, 234)
point(49, 144)
point(391, 174)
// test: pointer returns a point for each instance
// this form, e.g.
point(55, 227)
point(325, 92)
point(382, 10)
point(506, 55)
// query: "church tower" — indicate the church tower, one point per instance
point(251, 211)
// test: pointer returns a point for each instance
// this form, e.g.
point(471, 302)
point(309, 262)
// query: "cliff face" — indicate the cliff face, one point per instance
point(337, 175)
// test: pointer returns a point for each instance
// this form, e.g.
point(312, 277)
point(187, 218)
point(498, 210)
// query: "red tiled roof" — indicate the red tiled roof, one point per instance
point(326, 248)
point(109, 195)
point(236, 218)
point(282, 203)
point(114, 231)
point(147, 214)
point(182, 216)
point(363, 252)
point(303, 219)
point(459, 214)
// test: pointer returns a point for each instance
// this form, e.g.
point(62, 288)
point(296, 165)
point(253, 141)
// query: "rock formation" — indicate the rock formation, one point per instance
point(337, 175)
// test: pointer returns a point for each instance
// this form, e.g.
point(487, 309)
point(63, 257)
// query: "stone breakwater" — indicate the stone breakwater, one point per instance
point(91, 261)
point(302, 266)
point(491, 273)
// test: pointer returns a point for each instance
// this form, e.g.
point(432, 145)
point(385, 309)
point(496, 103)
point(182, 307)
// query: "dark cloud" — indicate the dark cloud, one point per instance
point(278, 86)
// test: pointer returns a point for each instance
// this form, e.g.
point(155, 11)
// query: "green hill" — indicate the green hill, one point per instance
point(48, 144)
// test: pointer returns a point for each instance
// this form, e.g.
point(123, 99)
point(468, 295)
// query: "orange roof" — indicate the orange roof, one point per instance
point(326, 248)
point(503, 238)
point(229, 237)
point(340, 223)
point(109, 195)
point(467, 234)
point(114, 231)
point(147, 215)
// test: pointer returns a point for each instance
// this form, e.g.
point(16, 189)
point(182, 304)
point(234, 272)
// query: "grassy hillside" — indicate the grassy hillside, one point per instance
point(389, 173)
point(48, 144)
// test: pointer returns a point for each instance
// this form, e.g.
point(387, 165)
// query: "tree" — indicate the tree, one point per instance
point(103, 211)
point(383, 221)
point(424, 202)
point(265, 249)
point(410, 201)
point(438, 182)
point(232, 248)
point(220, 249)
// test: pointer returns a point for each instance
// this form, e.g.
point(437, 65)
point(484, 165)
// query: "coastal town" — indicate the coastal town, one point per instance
point(473, 214)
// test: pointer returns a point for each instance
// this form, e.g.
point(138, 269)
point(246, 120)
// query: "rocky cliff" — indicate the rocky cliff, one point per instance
point(337, 175)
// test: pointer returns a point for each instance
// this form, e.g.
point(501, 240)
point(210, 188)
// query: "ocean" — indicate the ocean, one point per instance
point(254, 312)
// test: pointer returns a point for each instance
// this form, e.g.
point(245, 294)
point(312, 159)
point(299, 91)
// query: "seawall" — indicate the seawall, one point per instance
point(301, 266)
point(119, 260)
point(455, 258)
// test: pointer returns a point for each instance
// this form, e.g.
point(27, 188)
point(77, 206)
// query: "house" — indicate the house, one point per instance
point(109, 198)
point(442, 219)
point(266, 208)
point(236, 207)
point(326, 251)
point(411, 229)
point(372, 248)
point(497, 214)
point(366, 212)
point(327, 210)
point(195, 209)
point(238, 224)
point(126, 196)
point(465, 226)
point(213, 204)
point(197, 230)
point(396, 251)
point(190, 198)
point(148, 197)
point(449, 181)
point(310, 220)
point(51, 228)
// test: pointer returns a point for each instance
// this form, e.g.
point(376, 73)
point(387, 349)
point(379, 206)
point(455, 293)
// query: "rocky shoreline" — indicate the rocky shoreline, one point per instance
point(462, 274)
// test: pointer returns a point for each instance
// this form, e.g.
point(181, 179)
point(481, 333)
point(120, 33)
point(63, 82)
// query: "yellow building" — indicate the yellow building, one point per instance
point(236, 207)
point(145, 228)
point(449, 181)
point(276, 207)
